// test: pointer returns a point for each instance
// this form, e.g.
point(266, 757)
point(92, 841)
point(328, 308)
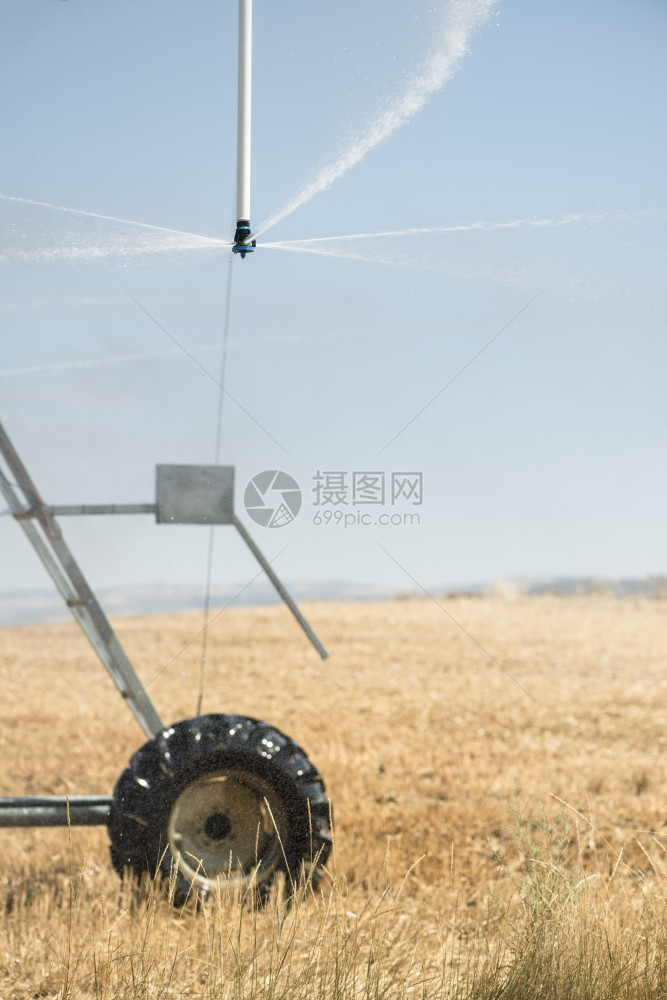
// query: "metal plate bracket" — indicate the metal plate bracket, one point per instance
point(194, 494)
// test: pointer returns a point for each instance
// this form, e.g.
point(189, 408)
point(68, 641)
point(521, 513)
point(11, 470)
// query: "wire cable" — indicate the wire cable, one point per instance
point(216, 461)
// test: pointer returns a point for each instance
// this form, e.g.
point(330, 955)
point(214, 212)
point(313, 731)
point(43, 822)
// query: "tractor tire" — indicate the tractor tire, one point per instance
point(220, 799)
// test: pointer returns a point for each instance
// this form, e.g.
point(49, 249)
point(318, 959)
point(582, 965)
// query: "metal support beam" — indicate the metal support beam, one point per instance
point(46, 538)
point(268, 569)
point(55, 810)
point(244, 114)
point(65, 510)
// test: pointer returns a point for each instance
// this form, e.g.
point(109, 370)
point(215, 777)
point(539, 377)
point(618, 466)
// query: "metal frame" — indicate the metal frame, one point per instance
point(38, 521)
point(44, 534)
point(243, 243)
point(55, 810)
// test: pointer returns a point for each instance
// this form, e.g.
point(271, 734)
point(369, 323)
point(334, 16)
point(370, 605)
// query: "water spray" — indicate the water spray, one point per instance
point(242, 241)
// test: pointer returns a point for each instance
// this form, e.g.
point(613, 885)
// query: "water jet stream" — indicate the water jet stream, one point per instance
point(463, 18)
point(462, 228)
point(149, 240)
point(480, 253)
point(362, 246)
point(115, 359)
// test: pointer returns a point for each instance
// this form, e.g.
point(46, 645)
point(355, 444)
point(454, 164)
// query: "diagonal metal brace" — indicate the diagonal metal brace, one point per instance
point(45, 535)
point(285, 595)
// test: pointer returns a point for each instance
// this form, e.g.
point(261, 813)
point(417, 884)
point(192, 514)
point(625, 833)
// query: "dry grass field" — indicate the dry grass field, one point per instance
point(495, 835)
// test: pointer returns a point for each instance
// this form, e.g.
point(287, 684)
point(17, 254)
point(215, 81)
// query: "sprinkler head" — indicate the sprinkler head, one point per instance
point(242, 242)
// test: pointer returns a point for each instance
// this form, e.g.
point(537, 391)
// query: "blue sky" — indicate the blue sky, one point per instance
point(542, 456)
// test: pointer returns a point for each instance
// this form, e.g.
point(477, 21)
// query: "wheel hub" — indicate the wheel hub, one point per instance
point(229, 826)
point(217, 826)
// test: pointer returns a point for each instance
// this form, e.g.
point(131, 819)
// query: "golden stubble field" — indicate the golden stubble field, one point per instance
point(430, 751)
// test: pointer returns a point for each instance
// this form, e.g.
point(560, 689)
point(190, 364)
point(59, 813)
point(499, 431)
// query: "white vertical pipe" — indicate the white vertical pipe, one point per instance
point(243, 137)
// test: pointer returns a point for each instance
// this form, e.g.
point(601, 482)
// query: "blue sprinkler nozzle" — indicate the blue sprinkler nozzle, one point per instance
point(242, 242)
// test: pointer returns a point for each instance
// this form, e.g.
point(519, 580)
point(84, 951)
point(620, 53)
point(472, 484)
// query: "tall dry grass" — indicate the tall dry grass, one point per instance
point(487, 844)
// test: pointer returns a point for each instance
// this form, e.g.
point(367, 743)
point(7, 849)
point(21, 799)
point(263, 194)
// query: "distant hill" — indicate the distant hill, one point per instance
point(34, 607)
point(650, 586)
